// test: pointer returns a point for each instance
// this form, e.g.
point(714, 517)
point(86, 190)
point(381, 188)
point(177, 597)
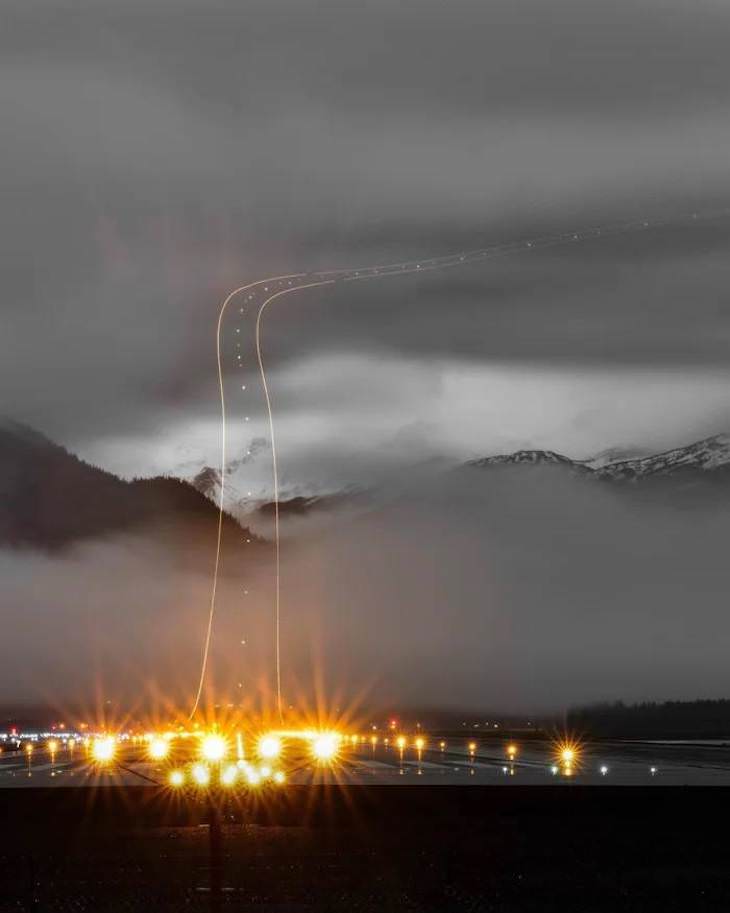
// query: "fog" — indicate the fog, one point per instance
point(513, 589)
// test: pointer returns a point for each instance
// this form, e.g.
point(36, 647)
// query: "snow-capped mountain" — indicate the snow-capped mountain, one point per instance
point(701, 458)
point(615, 455)
point(710, 454)
point(531, 457)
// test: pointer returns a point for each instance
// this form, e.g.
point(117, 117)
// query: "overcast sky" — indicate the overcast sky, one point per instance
point(156, 154)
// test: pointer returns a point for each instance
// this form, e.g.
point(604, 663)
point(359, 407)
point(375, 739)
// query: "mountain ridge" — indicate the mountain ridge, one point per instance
point(707, 456)
point(50, 498)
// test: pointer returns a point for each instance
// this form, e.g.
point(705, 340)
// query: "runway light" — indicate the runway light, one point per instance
point(214, 748)
point(442, 745)
point(269, 746)
point(228, 777)
point(401, 742)
point(604, 770)
point(325, 745)
point(511, 751)
point(554, 770)
point(253, 777)
point(102, 750)
point(201, 774)
point(567, 755)
point(420, 743)
point(177, 778)
point(653, 771)
point(159, 749)
point(279, 777)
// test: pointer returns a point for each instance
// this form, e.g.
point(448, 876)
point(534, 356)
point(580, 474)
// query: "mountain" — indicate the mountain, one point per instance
point(704, 461)
point(533, 458)
point(49, 498)
point(711, 455)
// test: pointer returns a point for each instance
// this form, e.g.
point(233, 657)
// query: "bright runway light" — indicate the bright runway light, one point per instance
point(420, 743)
point(214, 748)
point(159, 749)
point(401, 742)
point(253, 777)
point(270, 746)
point(201, 774)
point(567, 755)
point(604, 770)
point(279, 777)
point(229, 775)
point(102, 750)
point(325, 746)
point(511, 750)
point(177, 778)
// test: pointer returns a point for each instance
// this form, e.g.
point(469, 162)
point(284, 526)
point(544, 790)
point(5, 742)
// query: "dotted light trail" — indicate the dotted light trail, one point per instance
point(276, 286)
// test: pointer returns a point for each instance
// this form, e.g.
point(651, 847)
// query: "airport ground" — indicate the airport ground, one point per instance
point(405, 842)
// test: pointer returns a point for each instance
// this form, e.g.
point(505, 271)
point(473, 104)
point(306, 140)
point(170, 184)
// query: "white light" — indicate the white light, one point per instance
point(201, 774)
point(325, 746)
point(158, 749)
point(228, 777)
point(177, 778)
point(604, 770)
point(103, 750)
point(214, 747)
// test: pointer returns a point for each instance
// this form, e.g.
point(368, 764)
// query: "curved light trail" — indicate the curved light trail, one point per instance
point(330, 277)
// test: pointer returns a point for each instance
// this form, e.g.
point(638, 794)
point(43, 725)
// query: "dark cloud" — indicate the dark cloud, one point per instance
point(157, 154)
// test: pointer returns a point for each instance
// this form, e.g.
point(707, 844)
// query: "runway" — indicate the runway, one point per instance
point(636, 763)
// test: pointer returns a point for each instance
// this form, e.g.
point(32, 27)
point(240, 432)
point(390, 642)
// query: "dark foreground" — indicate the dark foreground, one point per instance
point(370, 848)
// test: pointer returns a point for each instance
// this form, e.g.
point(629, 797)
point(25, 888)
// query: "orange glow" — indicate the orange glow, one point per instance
point(325, 746)
point(159, 749)
point(103, 750)
point(214, 748)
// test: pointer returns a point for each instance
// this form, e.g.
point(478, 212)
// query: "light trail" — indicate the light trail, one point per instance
point(382, 271)
point(275, 470)
point(211, 613)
